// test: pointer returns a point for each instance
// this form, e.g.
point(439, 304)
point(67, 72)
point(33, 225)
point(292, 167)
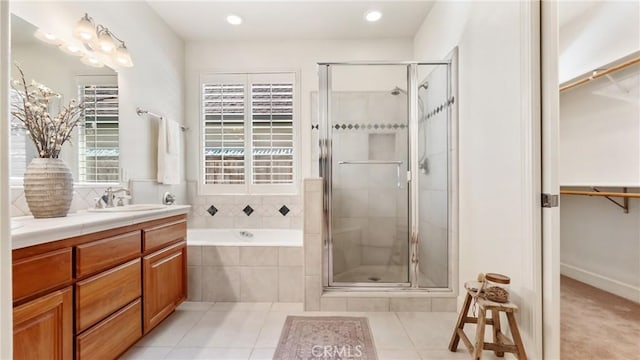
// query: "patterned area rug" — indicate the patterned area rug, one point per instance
point(326, 338)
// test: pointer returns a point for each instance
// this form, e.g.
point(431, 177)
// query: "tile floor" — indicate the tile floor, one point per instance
point(229, 331)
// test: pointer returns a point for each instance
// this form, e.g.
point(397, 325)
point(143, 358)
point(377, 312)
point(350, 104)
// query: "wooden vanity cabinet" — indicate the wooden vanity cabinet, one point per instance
point(164, 272)
point(43, 328)
point(92, 296)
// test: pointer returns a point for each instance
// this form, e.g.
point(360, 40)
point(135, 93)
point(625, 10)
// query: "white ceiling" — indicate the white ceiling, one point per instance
point(200, 20)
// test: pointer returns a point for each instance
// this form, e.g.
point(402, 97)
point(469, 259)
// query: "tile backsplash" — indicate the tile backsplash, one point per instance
point(244, 211)
point(142, 192)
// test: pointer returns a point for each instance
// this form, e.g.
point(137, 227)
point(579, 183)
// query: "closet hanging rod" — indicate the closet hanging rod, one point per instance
point(596, 74)
point(141, 112)
point(601, 193)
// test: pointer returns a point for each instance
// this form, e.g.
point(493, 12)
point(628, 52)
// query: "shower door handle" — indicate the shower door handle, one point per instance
point(397, 163)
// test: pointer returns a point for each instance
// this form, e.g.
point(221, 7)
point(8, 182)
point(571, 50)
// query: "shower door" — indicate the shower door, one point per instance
point(368, 129)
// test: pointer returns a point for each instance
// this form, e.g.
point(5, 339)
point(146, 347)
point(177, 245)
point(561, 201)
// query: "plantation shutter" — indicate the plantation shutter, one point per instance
point(223, 107)
point(99, 150)
point(272, 108)
point(248, 127)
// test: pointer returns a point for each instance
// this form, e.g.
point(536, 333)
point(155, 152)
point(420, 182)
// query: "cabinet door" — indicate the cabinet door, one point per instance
point(165, 283)
point(42, 328)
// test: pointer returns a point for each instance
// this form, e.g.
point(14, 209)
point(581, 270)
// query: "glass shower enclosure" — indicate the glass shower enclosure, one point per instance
point(385, 134)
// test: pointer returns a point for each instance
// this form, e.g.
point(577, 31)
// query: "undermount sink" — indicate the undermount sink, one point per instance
point(132, 207)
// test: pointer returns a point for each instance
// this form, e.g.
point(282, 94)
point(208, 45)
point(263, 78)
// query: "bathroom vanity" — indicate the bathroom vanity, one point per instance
point(92, 284)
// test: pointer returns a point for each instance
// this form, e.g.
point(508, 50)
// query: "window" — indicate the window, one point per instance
point(248, 133)
point(98, 143)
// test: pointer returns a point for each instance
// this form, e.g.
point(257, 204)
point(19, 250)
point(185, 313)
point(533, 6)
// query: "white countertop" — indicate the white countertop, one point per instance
point(32, 231)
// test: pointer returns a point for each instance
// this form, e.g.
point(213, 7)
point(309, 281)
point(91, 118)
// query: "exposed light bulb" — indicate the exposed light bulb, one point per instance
point(373, 16)
point(234, 19)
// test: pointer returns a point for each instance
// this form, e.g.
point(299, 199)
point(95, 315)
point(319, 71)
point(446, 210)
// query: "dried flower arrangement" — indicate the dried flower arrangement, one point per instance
point(47, 132)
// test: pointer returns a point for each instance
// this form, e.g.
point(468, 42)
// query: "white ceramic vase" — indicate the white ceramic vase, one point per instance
point(48, 187)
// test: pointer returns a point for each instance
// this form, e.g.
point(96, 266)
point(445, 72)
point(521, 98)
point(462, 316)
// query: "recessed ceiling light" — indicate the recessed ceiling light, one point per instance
point(234, 19)
point(373, 16)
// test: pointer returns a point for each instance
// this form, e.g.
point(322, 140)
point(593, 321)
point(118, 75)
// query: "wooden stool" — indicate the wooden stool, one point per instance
point(501, 343)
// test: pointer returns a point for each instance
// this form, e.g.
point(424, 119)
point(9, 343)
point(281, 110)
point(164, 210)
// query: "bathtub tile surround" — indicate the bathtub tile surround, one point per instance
point(245, 273)
point(312, 243)
point(244, 211)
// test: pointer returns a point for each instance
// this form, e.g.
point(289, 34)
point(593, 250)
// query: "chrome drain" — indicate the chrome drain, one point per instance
point(374, 278)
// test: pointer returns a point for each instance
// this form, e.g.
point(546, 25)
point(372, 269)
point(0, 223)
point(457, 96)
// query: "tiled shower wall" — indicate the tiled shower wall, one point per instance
point(370, 204)
point(244, 211)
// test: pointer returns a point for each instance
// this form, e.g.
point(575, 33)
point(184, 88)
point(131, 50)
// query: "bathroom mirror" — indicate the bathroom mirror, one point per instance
point(93, 152)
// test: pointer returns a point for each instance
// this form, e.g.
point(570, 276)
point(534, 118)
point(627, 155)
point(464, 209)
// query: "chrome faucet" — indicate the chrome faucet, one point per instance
point(109, 194)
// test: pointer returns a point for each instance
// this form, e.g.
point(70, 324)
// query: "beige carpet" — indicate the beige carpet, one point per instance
point(597, 325)
point(325, 337)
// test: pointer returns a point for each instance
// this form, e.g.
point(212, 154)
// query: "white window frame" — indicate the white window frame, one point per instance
point(248, 188)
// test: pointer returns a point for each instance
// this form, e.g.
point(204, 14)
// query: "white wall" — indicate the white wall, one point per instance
point(302, 56)
point(606, 32)
point(497, 226)
point(154, 83)
point(600, 245)
point(600, 133)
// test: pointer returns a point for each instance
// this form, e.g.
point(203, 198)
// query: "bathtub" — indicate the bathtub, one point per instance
point(244, 237)
point(246, 265)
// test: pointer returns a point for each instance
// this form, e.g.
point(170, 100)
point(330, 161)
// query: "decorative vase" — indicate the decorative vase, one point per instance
point(48, 187)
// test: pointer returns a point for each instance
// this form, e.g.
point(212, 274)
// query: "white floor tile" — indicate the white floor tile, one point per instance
point(237, 329)
point(408, 354)
point(429, 331)
point(388, 332)
point(146, 353)
point(271, 330)
point(262, 354)
point(172, 329)
point(195, 306)
point(241, 306)
point(208, 353)
point(287, 307)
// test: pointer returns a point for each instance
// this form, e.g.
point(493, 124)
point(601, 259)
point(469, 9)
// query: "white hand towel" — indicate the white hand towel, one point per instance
point(168, 162)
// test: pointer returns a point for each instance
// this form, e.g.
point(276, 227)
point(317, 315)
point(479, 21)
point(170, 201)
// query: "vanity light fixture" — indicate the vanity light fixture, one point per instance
point(98, 39)
point(92, 60)
point(71, 49)
point(47, 37)
point(373, 16)
point(234, 19)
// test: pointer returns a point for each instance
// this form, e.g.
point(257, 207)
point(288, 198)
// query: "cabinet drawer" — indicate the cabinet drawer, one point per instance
point(162, 235)
point(40, 273)
point(113, 336)
point(101, 295)
point(103, 254)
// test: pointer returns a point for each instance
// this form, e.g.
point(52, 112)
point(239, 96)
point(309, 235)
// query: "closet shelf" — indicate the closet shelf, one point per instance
point(608, 195)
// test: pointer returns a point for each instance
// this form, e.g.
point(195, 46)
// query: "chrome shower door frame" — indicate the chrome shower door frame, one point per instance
point(326, 172)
